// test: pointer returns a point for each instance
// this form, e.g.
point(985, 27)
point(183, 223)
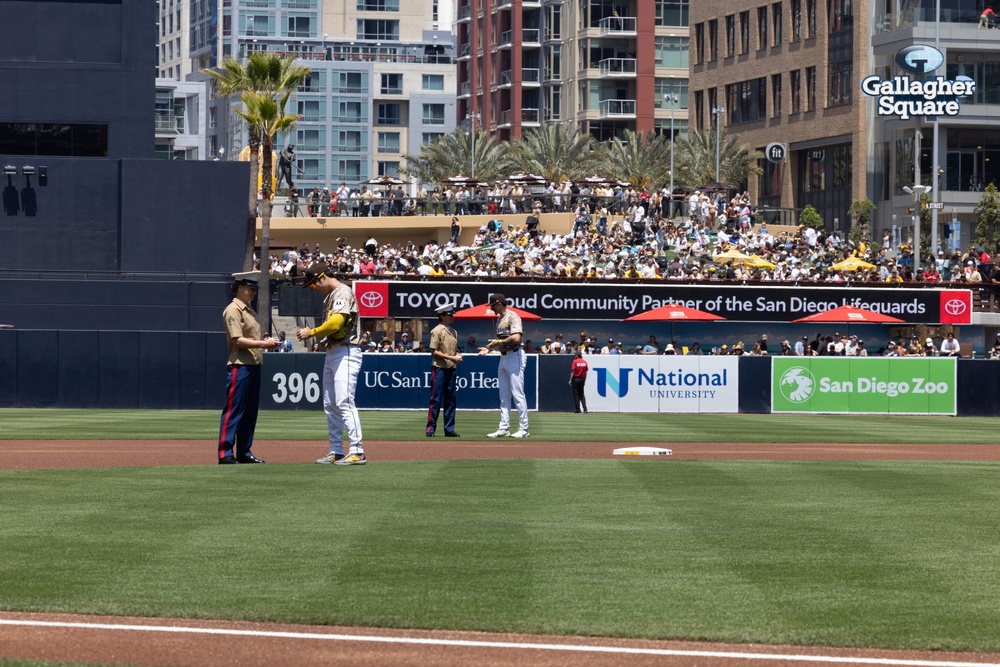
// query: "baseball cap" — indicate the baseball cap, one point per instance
point(548, 340)
point(315, 271)
point(498, 298)
point(251, 278)
point(929, 341)
point(447, 309)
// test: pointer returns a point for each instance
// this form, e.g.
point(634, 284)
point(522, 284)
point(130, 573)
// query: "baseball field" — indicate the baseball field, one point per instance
point(763, 539)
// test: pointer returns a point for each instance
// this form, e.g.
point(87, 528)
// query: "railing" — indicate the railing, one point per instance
point(531, 35)
point(167, 122)
point(531, 75)
point(382, 120)
point(351, 119)
point(506, 38)
point(617, 25)
point(463, 51)
point(392, 90)
point(618, 67)
point(351, 148)
point(505, 77)
point(463, 88)
point(617, 108)
point(529, 116)
point(258, 4)
point(464, 12)
point(300, 4)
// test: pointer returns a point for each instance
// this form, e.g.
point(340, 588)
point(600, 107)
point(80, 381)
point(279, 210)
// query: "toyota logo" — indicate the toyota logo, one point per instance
point(371, 299)
point(955, 307)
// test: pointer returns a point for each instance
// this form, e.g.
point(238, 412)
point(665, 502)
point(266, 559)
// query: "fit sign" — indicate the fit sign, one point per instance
point(903, 97)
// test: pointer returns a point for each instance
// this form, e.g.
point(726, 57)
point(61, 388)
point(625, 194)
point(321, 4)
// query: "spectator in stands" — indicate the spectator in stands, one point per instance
point(950, 346)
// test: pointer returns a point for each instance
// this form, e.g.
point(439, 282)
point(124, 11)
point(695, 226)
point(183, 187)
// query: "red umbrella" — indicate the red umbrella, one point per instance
point(851, 315)
point(484, 312)
point(674, 313)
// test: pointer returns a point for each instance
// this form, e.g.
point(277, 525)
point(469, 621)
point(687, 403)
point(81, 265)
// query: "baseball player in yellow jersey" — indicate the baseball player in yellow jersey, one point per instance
point(510, 374)
point(339, 334)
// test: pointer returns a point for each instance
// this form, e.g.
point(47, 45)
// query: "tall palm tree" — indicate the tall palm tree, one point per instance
point(452, 153)
point(264, 74)
point(696, 159)
point(642, 158)
point(556, 152)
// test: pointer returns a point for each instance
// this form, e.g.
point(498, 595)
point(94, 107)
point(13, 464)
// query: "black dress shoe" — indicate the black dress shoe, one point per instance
point(226, 460)
point(249, 458)
point(430, 434)
point(451, 435)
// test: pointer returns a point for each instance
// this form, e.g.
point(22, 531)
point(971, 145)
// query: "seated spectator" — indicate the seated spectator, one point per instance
point(950, 347)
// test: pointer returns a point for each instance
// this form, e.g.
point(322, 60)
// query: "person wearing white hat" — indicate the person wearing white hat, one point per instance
point(246, 354)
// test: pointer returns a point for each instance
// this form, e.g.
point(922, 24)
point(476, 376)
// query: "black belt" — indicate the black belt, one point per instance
point(516, 349)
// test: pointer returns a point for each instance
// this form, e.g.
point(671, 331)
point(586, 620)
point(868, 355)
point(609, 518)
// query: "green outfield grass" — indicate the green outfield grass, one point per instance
point(884, 554)
point(627, 428)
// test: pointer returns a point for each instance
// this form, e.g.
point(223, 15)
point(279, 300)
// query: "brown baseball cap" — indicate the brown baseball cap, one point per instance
point(315, 271)
point(498, 298)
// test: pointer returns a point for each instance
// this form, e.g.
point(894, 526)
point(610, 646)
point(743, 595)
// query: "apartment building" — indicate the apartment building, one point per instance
point(788, 71)
point(187, 37)
point(604, 65)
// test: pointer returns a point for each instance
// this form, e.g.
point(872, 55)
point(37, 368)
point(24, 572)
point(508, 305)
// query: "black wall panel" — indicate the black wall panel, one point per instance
point(554, 395)
point(38, 368)
point(79, 377)
point(755, 384)
point(159, 382)
point(118, 353)
point(8, 368)
point(978, 388)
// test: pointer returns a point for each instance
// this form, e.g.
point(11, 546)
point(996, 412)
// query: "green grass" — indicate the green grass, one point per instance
point(627, 428)
point(887, 554)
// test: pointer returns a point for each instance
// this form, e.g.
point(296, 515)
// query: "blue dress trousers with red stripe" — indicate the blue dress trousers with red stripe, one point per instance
point(443, 387)
point(239, 417)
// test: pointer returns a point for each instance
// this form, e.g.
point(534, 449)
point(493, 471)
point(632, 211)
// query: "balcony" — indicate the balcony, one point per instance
point(351, 148)
point(623, 26)
point(531, 36)
point(529, 117)
point(464, 50)
point(497, 4)
point(618, 68)
point(463, 89)
point(464, 13)
point(391, 90)
point(166, 123)
point(506, 38)
point(616, 109)
point(531, 76)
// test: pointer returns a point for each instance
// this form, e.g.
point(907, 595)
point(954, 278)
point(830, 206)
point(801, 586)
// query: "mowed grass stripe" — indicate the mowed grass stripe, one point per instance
point(18, 424)
point(884, 554)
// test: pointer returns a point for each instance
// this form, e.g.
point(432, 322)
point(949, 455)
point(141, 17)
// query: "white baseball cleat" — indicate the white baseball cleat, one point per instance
point(520, 433)
point(499, 433)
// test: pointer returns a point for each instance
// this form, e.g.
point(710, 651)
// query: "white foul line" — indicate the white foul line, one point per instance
point(466, 643)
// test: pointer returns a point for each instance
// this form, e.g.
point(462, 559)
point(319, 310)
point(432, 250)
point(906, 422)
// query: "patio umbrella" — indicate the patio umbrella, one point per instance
point(674, 313)
point(526, 179)
point(484, 312)
point(761, 263)
point(462, 181)
point(384, 180)
point(852, 264)
point(597, 180)
point(714, 186)
point(735, 256)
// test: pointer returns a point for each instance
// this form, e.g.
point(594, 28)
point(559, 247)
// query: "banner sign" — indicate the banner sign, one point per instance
point(662, 383)
point(864, 385)
point(387, 382)
point(600, 301)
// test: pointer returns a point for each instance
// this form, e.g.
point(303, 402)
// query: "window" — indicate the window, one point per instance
point(699, 43)
point(810, 18)
point(744, 32)
point(672, 12)
point(839, 86)
point(815, 176)
point(257, 26)
point(776, 95)
point(350, 112)
point(762, 27)
point(299, 26)
point(678, 87)
point(53, 139)
point(770, 179)
point(796, 81)
point(671, 52)
point(350, 82)
point(713, 40)
point(841, 16)
point(308, 140)
point(746, 102)
point(810, 89)
point(842, 166)
point(428, 137)
point(388, 142)
point(388, 169)
point(392, 84)
point(776, 21)
point(378, 5)
point(433, 114)
point(432, 82)
point(309, 110)
point(730, 36)
point(347, 170)
point(349, 141)
point(699, 110)
point(796, 20)
point(377, 29)
point(388, 114)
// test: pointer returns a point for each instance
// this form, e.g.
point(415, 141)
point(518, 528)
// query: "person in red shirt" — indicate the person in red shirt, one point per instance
point(987, 17)
point(577, 380)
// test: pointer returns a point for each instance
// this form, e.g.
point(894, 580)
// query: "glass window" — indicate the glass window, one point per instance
point(388, 142)
point(796, 20)
point(388, 114)
point(299, 26)
point(796, 85)
point(378, 5)
point(309, 110)
point(730, 36)
point(699, 43)
point(54, 139)
point(770, 178)
point(432, 82)
point(672, 12)
point(713, 40)
point(815, 171)
point(350, 141)
point(841, 16)
point(388, 169)
point(839, 85)
point(428, 137)
point(671, 52)
point(350, 83)
point(810, 89)
point(776, 21)
point(350, 112)
point(377, 29)
point(744, 32)
point(433, 114)
point(392, 84)
point(776, 95)
point(842, 166)
point(678, 87)
point(810, 18)
point(762, 27)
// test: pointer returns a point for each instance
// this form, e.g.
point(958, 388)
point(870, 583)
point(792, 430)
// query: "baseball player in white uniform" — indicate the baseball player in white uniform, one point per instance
point(511, 370)
point(339, 334)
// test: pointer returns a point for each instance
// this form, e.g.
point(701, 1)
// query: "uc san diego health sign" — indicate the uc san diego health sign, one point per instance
point(903, 97)
point(864, 385)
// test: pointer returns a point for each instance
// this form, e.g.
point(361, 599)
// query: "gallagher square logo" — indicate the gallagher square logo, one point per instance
point(661, 385)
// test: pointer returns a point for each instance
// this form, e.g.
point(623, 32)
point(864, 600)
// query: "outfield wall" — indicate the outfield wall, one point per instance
point(174, 370)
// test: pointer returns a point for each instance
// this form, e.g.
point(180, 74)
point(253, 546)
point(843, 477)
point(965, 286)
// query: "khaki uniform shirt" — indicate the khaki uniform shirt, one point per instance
point(241, 322)
point(445, 340)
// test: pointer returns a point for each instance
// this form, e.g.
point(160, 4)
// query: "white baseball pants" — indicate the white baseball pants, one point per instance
point(340, 380)
point(510, 376)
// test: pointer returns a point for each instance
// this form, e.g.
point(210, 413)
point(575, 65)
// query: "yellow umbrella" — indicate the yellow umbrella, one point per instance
point(852, 264)
point(761, 263)
point(735, 256)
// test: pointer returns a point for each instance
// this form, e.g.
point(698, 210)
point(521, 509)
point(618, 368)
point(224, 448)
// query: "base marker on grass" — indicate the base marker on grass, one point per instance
point(642, 451)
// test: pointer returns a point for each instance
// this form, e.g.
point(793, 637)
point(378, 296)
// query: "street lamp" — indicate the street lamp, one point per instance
point(472, 118)
point(719, 112)
point(672, 99)
point(916, 191)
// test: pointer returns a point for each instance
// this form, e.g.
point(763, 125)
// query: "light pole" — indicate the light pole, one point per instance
point(916, 191)
point(472, 118)
point(718, 111)
point(672, 99)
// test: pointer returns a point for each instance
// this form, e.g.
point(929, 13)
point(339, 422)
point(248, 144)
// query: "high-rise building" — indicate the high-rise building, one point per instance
point(604, 65)
point(382, 82)
point(187, 35)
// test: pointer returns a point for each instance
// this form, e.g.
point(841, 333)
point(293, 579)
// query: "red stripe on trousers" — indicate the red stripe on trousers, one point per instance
point(229, 413)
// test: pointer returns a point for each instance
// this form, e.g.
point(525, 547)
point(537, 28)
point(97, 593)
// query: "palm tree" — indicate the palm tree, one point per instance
point(556, 152)
point(452, 153)
point(696, 159)
point(642, 158)
point(266, 75)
